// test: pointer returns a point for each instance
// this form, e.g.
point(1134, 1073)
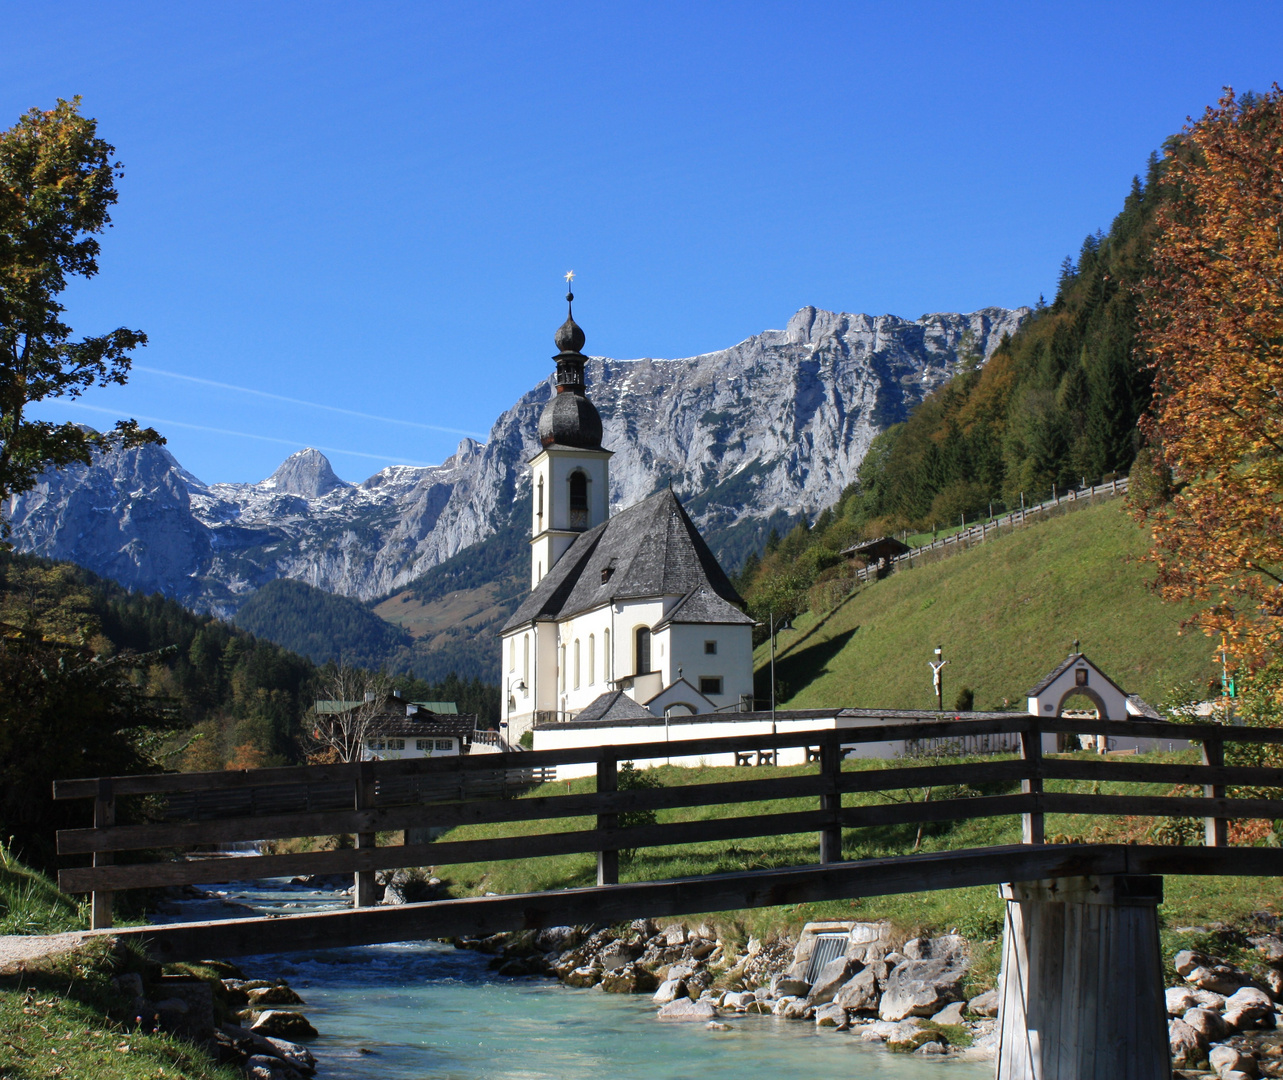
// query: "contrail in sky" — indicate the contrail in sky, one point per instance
point(308, 404)
point(244, 434)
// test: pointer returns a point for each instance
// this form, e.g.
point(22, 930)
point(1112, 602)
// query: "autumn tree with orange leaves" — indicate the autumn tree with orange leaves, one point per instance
point(1212, 325)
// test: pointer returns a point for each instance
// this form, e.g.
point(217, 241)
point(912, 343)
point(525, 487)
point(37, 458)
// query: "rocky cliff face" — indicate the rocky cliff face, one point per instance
point(776, 424)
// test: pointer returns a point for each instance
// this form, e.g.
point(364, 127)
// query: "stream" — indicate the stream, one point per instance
point(426, 1011)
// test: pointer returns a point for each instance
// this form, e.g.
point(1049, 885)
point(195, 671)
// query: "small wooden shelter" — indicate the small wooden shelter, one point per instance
point(879, 552)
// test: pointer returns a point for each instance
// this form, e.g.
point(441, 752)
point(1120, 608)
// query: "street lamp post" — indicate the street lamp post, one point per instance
point(787, 624)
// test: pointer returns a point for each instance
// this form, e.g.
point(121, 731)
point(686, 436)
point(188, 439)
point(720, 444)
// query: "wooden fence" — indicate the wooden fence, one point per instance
point(187, 811)
point(975, 534)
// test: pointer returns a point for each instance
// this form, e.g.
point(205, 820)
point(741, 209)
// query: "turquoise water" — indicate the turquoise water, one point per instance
point(422, 1010)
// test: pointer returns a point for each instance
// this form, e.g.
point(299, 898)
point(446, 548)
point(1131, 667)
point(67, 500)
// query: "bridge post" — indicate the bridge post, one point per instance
point(1215, 830)
point(1031, 824)
point(607, 861)
point(363, 893)
point(104, 817)
point(1081, 993)
point(831, 801)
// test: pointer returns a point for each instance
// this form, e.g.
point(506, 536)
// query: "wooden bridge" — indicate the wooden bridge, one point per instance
point(187, 811)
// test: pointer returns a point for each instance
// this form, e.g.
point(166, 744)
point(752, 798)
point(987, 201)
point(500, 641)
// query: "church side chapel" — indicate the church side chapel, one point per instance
point(630, 615)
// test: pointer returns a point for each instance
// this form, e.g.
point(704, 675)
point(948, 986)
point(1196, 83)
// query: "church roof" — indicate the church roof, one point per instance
point(649, 550)
point(615, 705)
point(1074, 658)
point(702, 605)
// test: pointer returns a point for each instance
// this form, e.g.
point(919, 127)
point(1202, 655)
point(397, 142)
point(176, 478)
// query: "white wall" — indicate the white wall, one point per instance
point(733, 661)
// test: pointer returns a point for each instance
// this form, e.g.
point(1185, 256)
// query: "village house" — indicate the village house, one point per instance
point(397, 728)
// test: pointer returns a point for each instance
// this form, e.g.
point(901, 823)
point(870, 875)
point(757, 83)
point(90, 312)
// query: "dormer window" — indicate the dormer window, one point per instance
point(607, 572)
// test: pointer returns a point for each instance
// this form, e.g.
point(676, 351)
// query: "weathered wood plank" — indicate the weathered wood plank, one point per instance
point(1161, 806)
point(1144, 772)
point(618, 903)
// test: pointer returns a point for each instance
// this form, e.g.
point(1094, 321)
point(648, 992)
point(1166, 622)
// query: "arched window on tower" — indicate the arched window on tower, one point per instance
point(643, 650)
point(578, 500)
point(539, 502)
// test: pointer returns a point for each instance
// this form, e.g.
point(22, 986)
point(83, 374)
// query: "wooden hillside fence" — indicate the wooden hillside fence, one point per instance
point(189, 811)
point(976, 534)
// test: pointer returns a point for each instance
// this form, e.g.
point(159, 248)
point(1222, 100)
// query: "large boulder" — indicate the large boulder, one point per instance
point(950, 1015)
point(265, 996)
point(946, 947)
point(617, 954)
point(861, 993)
point(921, 988)
point(832, 977)
point(783, 986)
point(1247, 1007)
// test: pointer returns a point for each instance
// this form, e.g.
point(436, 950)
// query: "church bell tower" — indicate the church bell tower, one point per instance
point(570, 476)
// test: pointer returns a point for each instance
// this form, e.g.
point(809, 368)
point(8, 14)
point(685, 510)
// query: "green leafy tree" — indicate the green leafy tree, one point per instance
point(57, 183)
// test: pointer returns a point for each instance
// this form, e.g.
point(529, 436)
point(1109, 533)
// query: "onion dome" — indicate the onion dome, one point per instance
point(569, 418)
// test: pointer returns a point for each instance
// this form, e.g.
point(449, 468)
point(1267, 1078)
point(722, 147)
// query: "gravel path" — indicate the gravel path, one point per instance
point(19, 951)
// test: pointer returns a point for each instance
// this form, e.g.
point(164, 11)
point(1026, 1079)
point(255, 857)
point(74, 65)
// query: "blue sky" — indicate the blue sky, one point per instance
point(367, 208)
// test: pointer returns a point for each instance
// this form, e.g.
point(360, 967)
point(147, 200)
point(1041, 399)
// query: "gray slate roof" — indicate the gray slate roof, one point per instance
point(611, 707)
point(702, 605)
point(651, 549)
point(1072, 659)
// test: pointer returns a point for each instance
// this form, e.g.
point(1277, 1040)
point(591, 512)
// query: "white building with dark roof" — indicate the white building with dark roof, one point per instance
point(633, 603)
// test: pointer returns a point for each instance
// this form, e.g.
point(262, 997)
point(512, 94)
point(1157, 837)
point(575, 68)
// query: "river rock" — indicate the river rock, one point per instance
point(795, 1009)
point(946, 947)
point(738, 1000)
point(281, 1024)
point(273, 995)
point(1187, 960)
point(780, 1004)
point(261, 1067)
point(186, 1006)
point(630, 979)
point(685, 1009)
point(985, 1004)
point(885, 1031)
point(674, 935)
point(932, 1047)
point(921, 988)
point(1207, 999)
point(617, 954)
point(128, 985)
point(762, 1008)
point(1270, 946)
point(586, 976)
point(907, 1041)
point(557, 939)
point(669, 990)
point(1225, 1059)
point(1180, 999)
point(832, 977)
point(1208, 1024)
point(717, 1025)
point(1274, 983)
point(831, 1015)
point(1250, 999)
point(783, 986)
point(1187, 1045)
point(950, 1014)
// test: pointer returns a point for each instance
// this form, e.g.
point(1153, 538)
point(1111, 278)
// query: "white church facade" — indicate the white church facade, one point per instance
point(627, 614)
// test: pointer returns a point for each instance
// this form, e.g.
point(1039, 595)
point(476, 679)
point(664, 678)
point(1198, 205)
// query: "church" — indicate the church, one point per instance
point(630, 615)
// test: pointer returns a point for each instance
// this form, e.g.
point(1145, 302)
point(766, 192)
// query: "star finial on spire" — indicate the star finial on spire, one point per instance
point(570, 278)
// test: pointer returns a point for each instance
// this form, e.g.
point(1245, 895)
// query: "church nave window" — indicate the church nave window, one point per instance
point(592, 659)
point(576, 663)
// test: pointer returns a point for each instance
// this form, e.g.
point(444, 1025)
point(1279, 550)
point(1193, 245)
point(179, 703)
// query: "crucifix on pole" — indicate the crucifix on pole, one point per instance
point(937, 682)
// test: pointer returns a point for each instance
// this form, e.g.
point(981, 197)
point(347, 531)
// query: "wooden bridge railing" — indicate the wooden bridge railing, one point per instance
point(193, 810)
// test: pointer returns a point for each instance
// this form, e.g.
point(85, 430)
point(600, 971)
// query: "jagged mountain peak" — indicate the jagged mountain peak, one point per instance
point(306, 473)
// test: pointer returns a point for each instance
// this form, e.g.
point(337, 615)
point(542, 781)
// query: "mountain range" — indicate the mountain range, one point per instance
point(750, 437)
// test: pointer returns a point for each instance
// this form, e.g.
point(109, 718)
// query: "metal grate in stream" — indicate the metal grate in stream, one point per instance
point(827, 947)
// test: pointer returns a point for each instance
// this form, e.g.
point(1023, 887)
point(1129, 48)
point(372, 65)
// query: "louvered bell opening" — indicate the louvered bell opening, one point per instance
point(827, 947)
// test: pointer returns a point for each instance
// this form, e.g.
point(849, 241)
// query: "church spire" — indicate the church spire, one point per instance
point(570, 419)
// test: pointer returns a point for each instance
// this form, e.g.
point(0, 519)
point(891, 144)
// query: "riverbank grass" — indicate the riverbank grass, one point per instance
point(60, 1017)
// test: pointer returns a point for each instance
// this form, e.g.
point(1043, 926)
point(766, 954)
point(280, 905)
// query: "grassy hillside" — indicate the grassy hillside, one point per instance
point(1006, 612)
